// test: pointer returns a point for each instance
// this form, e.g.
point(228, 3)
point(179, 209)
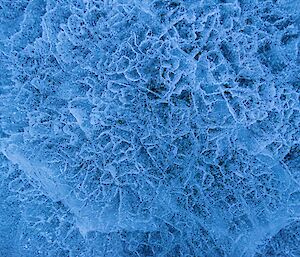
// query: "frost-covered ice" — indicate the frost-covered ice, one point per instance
point(150, 128)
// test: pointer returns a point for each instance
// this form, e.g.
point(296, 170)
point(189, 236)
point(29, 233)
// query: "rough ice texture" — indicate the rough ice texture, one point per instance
point(149, 128)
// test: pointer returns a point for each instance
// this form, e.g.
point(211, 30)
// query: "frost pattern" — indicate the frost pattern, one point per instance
point(149, 128)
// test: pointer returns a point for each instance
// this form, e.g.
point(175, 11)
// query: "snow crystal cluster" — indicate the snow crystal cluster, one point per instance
point(150, 128)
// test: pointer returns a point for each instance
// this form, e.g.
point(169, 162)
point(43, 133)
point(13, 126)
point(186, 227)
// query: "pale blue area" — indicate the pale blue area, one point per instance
point(149, 128)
